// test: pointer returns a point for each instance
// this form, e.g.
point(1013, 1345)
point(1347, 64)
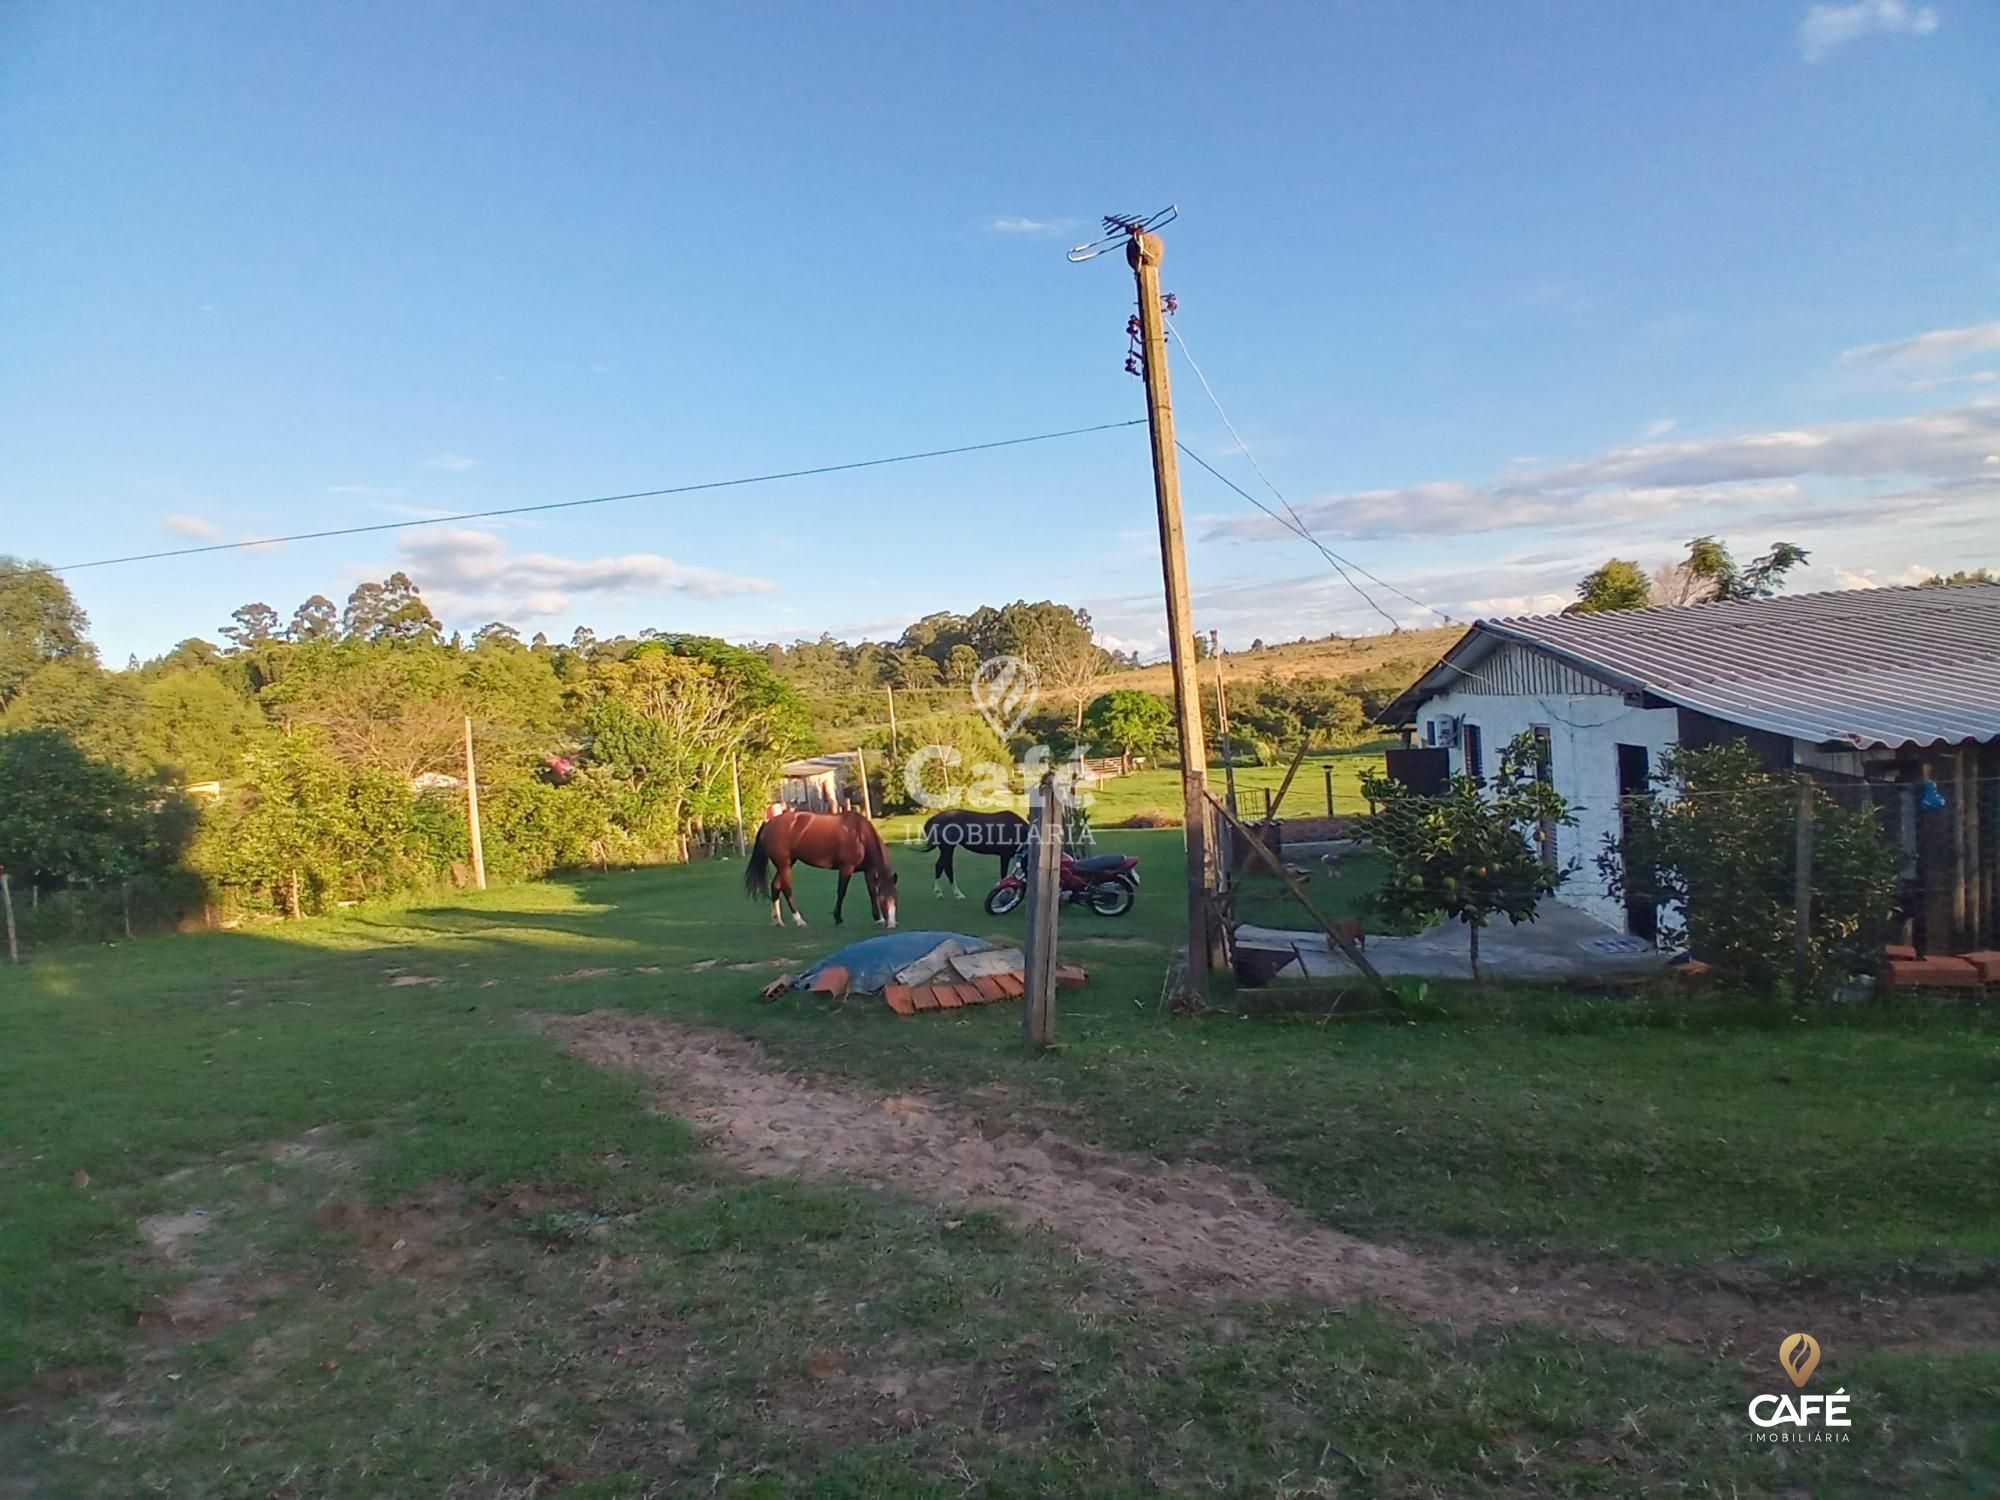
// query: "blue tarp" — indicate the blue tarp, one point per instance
point(875, 961)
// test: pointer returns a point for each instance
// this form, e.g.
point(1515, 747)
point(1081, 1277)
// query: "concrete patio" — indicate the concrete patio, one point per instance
point(1561, 943)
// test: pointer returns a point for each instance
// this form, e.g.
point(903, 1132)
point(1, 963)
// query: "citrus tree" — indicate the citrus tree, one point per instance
point(1472, 852)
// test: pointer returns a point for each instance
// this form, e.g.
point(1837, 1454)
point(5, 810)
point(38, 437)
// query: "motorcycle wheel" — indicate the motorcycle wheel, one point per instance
point(1111, 899)
point(1004, 898)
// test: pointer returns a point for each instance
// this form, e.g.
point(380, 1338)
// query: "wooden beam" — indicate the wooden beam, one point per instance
point(1339, 939)
point(1285, 786)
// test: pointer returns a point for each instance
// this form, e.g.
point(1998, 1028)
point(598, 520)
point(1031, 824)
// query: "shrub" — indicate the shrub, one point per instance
point(1469, 852)
point(1720, 853)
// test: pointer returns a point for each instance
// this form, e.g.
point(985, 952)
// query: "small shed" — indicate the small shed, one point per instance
point(815, 783)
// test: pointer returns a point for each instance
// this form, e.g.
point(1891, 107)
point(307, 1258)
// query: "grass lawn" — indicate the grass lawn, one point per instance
point(1158, 790)
point(402, 1244)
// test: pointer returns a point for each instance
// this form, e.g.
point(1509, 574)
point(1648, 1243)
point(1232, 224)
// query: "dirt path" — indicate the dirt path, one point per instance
point(1195, 1231)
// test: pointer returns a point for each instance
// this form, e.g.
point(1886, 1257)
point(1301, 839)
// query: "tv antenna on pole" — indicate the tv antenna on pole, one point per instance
point(1143, 250)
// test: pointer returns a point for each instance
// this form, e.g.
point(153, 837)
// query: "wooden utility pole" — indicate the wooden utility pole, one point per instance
point(1222, 718)
point(1802, 900)
point(895, 750)
point(861, 771)
point(1038, 997)
point(1143, 253)
point(736, 796)
point(472, 812)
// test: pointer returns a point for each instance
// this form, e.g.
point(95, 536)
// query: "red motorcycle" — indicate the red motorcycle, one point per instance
point(1106, 883)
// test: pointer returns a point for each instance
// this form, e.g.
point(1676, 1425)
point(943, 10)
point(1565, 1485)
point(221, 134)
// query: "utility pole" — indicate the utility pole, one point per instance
point(736, 796)
point(472, 812)
point(1143, 252)
point(1222, 718)
point(895, 750)
point(861, 773)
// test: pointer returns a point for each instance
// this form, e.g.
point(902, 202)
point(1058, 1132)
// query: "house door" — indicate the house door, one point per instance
point(1545, 772)
point(1642, 913)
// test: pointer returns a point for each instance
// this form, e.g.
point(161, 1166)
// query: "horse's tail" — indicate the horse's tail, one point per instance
point(755, 881)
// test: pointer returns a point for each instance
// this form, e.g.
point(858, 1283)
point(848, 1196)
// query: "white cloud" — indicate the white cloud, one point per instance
point(465, 572)
point(1826, 27)
point(1449, 508)
point(194, 526)
point(1877, 578)
point(1936, 444)
point(1937, 382)
point(457, 463)
point(1015, 224)
point(1659, 427)
point(1938, 344)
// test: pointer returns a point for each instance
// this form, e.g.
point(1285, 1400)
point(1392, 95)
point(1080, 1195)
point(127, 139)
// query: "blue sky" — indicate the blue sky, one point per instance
point(1493, 292)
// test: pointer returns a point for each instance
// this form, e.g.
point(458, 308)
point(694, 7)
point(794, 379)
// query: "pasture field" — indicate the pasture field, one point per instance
point(1335, 659)
point(329, 1209)
point(1158, 790)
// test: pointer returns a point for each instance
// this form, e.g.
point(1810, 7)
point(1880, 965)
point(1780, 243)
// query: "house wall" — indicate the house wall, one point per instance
point(1585, 731)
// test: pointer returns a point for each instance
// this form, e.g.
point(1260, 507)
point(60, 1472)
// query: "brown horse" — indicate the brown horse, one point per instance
point(833, 841)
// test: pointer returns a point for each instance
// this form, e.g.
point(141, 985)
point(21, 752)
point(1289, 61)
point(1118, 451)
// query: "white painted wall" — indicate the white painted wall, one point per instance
point(1585, 731)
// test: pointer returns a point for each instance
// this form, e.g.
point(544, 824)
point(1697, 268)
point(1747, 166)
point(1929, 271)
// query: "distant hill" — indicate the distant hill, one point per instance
point(1334, 658)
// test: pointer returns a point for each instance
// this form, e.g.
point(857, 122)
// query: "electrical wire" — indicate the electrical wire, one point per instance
point(1296, 524)
point(679, 489)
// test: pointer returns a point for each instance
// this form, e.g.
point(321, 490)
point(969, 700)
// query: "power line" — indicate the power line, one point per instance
point(679, 489)
point(1296, 524)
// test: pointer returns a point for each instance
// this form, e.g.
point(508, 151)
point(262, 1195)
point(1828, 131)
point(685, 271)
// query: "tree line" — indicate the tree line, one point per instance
point(301, 764)
point(305, 760)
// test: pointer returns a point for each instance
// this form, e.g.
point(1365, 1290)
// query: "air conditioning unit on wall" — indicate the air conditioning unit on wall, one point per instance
point(1441, 733)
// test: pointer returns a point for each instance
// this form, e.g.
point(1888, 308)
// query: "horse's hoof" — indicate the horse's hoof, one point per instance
point(958, 893)
point(797, 920)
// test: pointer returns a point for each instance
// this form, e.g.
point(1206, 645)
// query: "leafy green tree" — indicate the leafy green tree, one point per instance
point(40, 623)
point(1618, 584)
point(954, 760)
point(1717, 849)
point(961, 665)
point(1963, 575)
point(1137, 722)
point(100, 711)
point(498, 632)
point(254, 625)
point(69, 817)
point(196, 725)
point(392, 610)
point(283, 836)
point(1709, 574)
point(314, 620)
point(1469, 853)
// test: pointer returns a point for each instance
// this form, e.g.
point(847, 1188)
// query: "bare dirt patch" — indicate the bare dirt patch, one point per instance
point(412, 1236)
point(168, 1234)
point(1191, 1231)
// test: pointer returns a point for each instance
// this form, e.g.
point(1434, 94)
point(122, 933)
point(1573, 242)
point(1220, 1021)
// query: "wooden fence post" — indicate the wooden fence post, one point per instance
point(1802, 899)
point(1038, 998)
point(7, 899)
point(1329, 791)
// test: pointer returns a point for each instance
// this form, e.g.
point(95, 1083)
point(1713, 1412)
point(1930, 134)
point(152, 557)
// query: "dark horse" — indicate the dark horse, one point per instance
point(997, 833)
point(833, 841)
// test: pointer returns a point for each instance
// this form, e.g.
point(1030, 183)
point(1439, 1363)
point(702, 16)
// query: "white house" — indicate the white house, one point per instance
point(1879, 690)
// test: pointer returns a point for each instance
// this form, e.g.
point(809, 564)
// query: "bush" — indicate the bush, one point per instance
point(1720, 852)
